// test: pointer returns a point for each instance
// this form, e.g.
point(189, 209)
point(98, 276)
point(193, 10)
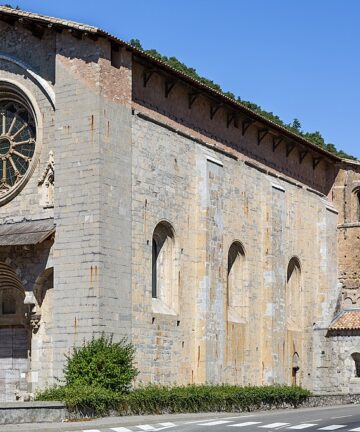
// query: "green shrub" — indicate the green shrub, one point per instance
point(101, 363)
point(185, 399)
point(84, 400)
point(207, 398)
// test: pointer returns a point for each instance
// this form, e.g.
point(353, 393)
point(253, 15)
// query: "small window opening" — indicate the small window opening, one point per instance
point(162, 262)
point(294, 312)
point(356, 358)
point(237, 293)
point(155, 254)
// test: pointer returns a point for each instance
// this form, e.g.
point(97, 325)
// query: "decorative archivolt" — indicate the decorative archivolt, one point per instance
point(9, 280)
point(41, 82)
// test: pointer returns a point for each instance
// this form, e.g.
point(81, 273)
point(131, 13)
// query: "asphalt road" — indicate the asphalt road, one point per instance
point(342, 419)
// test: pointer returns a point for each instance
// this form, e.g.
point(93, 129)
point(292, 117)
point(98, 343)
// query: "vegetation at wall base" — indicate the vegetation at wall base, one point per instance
point(152, 399)
point(99, 374)
point(295, 127)
point(101, 362)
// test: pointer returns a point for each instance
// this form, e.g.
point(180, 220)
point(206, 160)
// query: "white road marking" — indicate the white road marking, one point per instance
point(120, 429)
point(355, 430)
point(332, 427)
point(274, 425)
point(244, 424)
point(303, 426)
point(146, 427)
point(91, 430)
point(167, 424)
point(198, 421)
point(215, 423)
point(238, 417)
point(333, 418)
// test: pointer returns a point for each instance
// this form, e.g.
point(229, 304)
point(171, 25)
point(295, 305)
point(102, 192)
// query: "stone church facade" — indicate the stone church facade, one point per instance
point(138, 202)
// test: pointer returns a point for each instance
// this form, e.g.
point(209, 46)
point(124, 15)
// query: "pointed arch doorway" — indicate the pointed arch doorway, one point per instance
point(14, 339)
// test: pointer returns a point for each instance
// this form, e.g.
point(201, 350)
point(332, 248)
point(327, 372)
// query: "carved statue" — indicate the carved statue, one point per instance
point(46, 183)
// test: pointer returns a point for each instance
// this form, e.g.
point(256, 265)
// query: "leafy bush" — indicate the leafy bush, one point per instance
point(101, 363)
point(84, 400)
point(186, 399)
point(206, 398)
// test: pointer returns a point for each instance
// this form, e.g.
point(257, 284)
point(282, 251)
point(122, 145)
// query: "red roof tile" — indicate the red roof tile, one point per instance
point(348, 320)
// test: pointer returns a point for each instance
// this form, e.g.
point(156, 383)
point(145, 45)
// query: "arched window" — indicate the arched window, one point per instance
point(237, 296)
point(163, 264)
point(356, 358)
point(294, 295)
point(357, 204)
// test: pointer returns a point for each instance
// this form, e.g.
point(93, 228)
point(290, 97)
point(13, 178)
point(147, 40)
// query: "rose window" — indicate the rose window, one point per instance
point(17, 143)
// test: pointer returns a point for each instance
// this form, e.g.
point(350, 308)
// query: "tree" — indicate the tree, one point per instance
point(136, 43)
point(296, 125)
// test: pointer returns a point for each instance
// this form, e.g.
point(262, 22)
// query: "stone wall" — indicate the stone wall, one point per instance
point(335, 365)
point(128, 156)
point(92, 252)
point(212, 200)
point(346, 198)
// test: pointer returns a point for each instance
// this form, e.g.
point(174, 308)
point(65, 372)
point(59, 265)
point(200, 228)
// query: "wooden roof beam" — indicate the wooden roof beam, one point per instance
point(277, 140)
point(169, 85)
point(192, 96)
point(289, 148)
point(302, 155)
point(147, 74)
point(316, 161)
point(214, 108)
point(261, 135)
point(231, 117)
point(245, 125)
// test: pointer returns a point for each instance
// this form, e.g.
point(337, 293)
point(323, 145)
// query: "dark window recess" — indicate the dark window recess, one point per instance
point(356, 358)
point(8, 306)
point(155, 254)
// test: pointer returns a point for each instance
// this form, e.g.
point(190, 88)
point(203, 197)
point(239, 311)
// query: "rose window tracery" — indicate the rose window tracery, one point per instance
point(17, 143)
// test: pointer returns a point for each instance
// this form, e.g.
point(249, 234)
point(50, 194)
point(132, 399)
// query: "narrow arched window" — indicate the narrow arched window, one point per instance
point(154, 272)
point(355, 205)
point(356, 358)
point(294, 294)
point(237, 296)
point(163, 263)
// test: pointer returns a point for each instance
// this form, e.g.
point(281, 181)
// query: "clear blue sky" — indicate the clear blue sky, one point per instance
point(296, 58)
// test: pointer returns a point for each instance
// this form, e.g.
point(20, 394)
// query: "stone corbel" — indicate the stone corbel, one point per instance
point(32, 312)
point(35, 323)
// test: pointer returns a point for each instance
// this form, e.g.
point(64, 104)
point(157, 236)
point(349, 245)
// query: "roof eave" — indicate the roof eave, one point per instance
point(47, 22)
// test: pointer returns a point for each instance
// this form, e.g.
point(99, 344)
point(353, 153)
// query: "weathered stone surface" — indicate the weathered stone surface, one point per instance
point(32, 412)
point(126, 158)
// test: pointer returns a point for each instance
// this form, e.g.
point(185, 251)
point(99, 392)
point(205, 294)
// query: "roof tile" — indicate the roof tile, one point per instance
point(347, 320)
